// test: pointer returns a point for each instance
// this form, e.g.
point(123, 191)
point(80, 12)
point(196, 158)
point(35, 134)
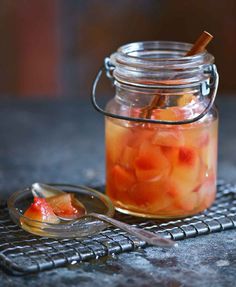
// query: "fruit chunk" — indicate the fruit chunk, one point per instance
point(196, 135)
point(171, 153)
point(207, 191)
point(62, 206)
point(41, 211)
point(119, 183)
point(151, 163)
point(188, 165)
point(151, 196)
point(168, 137)
point(170, 114)
point(186, 99)
point(123, 179)
point(187, 156)
point(128, 156)
point(140, 134)
point(117, 137)
point(188, 201)
point(183, 194)
point(184, 177)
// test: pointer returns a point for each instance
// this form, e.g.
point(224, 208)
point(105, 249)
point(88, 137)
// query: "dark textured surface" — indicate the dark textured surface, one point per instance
point(63, 142)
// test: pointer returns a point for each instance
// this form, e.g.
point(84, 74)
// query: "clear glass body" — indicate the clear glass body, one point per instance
point(161, 170)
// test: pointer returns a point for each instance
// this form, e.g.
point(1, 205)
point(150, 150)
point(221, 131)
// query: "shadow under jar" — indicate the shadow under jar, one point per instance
point(161, 153)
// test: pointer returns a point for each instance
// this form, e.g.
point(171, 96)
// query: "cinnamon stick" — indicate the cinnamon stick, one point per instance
point(200, 44)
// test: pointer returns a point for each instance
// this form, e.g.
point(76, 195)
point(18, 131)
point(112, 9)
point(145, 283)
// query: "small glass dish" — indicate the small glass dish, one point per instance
point(93, 201)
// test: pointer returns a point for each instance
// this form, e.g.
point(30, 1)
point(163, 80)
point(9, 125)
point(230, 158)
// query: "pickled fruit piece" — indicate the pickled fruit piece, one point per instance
point(151, 196)
point(128, 157)
point(120, 183)
point(196, 136)
point(188, 201)
point(209, 153)
point(62, 206)
point(183, 195)
point(209, 156)
point(123, 179)
point(41, 211)
point(140, 134)
point(117, 137)
point(188, 156)
point(209, 196)
point(187, 168)
point(168, 137)
point(172, 154)
point(186, 99)
point(170, 114)
point(185, 178)
point(207, 191)
point(151, 163)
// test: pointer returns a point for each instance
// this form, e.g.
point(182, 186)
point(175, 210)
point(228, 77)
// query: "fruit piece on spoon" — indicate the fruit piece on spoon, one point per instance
point(41, 211)
point(66, 206)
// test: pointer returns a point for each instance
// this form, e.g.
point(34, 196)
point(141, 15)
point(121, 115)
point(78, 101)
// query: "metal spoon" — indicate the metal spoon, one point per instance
point(44, 190)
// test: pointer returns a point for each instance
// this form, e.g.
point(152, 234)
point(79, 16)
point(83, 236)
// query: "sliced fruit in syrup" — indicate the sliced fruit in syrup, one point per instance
point(41, 211)
point(66, 206)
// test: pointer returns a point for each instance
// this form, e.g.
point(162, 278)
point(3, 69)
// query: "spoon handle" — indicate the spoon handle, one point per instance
point(150, 237)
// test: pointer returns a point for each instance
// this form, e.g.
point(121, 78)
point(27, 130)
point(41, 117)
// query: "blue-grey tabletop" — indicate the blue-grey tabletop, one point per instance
point(63, 141)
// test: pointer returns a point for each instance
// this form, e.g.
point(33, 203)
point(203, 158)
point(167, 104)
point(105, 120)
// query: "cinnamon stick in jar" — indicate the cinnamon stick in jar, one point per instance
point(199, 46)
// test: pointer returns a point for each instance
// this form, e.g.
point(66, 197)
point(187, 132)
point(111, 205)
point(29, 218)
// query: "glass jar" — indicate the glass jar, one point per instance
point(161, 130)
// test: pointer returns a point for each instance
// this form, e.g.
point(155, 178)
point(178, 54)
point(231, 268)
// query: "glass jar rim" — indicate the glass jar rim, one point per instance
point(159, 63)
point(154, 55)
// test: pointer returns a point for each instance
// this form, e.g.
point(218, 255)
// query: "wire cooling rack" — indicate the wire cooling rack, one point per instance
point(23, 253)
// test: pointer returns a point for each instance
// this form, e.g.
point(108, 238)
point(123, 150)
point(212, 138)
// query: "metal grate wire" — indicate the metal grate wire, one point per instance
point(23, 253)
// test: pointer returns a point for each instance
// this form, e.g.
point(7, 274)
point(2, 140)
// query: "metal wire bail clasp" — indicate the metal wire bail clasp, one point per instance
point(109, 68)
point(210, 85)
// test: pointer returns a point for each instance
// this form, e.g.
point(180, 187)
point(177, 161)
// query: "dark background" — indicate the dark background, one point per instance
point(54, 48)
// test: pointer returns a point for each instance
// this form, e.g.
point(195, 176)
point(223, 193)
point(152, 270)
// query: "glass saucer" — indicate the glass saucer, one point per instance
point(93, 201)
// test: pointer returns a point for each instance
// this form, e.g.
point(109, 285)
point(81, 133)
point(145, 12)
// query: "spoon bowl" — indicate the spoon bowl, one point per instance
point(93, 201)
